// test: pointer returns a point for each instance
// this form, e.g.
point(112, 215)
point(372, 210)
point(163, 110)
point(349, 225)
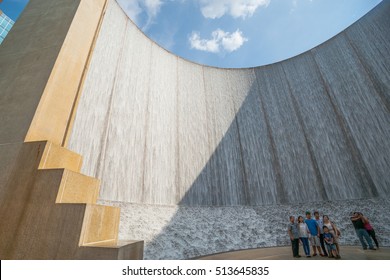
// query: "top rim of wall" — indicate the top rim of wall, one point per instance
point(251, 67)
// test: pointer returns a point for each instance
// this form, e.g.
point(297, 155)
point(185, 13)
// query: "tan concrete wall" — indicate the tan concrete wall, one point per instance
point(27, 57)
point(47, 208)
point(42, 64)
point(169, 131)
point(44, 217)
point(54, 113)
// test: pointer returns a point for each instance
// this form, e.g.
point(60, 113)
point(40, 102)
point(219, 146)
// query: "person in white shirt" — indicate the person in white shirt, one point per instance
point(304, 235)
point(333, 230)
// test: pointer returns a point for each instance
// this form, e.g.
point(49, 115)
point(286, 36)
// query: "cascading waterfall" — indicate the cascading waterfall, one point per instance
point(160, 130)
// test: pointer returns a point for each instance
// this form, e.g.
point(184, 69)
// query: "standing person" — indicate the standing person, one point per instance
point(304, 235)
point(315, 234)
point(361, 232)
point(321, 226)
point(293, 232)
point(328, 238)
point(370, 230)
point(333, 230)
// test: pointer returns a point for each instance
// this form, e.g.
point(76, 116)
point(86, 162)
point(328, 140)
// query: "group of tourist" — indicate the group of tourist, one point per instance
point(323, 235)
point(319, 232)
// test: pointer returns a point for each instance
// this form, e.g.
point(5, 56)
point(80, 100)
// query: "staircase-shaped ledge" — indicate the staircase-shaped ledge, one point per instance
point(48, 209)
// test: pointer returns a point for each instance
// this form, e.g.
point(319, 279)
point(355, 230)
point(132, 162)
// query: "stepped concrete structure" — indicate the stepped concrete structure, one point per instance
point(193, 160)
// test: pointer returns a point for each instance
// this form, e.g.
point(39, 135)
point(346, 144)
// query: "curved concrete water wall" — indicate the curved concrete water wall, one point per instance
point(200, 159)
point(157, 129)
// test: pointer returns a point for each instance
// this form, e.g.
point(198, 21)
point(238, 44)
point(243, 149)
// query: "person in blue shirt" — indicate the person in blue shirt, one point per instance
point(314, 234)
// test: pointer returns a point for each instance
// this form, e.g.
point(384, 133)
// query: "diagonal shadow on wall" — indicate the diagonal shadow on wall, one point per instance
point(311, 131)
point(287, 144)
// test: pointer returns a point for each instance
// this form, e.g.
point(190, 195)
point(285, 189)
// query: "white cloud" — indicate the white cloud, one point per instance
point(294, 6)
point(233, 41)
point(236, 8)
point(220, 41)
point(131, 8)
point(152, 6)
point(134, 8)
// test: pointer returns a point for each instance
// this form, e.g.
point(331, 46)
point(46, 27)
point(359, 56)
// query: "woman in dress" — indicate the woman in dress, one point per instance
point(304, 235)
point(333, 230)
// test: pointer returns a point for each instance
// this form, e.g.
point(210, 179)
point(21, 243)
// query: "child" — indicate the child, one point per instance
point(328, 238)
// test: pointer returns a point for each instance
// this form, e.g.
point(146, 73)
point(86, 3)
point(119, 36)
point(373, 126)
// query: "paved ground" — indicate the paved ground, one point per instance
point(284, 253)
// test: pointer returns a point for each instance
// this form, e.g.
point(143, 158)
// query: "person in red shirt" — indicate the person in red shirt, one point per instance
point(370, 229)
point(361, 232)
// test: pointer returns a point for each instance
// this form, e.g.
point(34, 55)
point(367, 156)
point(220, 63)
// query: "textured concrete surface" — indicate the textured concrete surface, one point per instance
point(180, 232)
point(36, 225)
point(55, 110)
point(157, 129)
point(47, 208)
point(27, 57)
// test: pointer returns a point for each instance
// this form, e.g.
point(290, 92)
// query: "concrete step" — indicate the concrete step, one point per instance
point(48, 211)
point(121, 250)
point(77, 188)
point(55, 156)
point(100, 225)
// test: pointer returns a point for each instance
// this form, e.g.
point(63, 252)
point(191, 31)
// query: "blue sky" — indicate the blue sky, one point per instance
point(236, 33)
point(243, 33)
point(13, 8)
